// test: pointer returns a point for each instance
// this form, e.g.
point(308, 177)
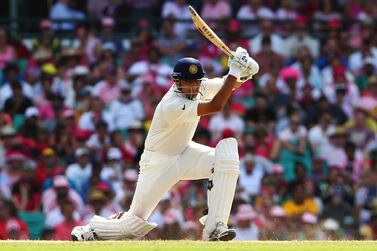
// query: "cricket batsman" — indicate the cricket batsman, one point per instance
point(170, 155)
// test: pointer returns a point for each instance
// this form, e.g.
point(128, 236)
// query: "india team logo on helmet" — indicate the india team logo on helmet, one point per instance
point(188, 69)
point(193, 69)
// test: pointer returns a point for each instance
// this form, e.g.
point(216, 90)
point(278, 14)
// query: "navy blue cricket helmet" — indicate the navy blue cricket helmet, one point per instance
point(188, 69)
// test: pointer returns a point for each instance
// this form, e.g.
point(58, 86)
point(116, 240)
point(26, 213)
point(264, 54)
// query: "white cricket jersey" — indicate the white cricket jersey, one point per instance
point(176, 118)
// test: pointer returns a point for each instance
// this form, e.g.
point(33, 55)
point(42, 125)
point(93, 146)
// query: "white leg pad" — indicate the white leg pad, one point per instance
point(128, 226)
point(226, 172)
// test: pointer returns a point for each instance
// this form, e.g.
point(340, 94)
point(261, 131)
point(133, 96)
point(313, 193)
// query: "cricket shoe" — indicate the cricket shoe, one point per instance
point(83, 233)
point(222, 233)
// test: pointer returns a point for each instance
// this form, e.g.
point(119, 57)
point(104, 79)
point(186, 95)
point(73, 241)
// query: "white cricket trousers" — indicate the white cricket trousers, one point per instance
point(159, 172)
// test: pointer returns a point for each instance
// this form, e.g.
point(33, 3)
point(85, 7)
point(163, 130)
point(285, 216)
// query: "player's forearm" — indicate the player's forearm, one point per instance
point(222, 97)
point(237, 85)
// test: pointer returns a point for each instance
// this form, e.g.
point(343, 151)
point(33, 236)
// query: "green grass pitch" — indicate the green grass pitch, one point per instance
point(188, 245)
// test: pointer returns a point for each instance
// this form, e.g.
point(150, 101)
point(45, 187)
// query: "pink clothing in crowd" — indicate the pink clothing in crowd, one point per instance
point(106, 92)
point(49, 198)
point(220, 10)
point(6, 56)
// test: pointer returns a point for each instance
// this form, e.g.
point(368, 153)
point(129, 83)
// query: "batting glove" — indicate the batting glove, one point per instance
point(242, 66)
point(251, 69)
point(238, 63)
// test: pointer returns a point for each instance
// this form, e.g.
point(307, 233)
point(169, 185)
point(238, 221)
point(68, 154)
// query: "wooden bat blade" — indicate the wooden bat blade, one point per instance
point(207, 32)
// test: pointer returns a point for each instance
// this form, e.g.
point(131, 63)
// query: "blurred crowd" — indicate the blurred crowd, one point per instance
point(74, 114)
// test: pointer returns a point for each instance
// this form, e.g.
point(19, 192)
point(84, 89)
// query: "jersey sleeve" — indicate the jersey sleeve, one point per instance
point(180, 110)
point(212, 86)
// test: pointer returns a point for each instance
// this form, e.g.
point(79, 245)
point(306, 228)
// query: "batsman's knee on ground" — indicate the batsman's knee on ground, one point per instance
point(128, 226)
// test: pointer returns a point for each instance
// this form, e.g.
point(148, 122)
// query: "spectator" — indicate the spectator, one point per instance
point(63, 229)
point(261, 115)
point(13, 171)
point(323, 106)
point(126, 110)
point(88, 44)
point(319, 135)
point(361, 133)
point(46, 166)
point(191, 230)
point(301, 38)
point(216, 10)
point(169, 43)
point(246, 228)
point(366, 190)
point(288, 83)
point(338, 156)
point(296, 207)
point(141, 44)
point(5, 120)
point(309, 72)
point(97, 205)
point(108, 35)
point(331, 229)
point(113, 169)
point(369, 231)
point(89, 119)
point(311, 230)
point(26, 196)
point(113, 8)
point(80, 79)
point(327, 11)
point(287, 11)
point(353, 8)
point(344, 94)
point(47, 42)
point(48, 94)
point(253, 10)
point(252, 171)
point(234, 35)
point(292, 147)
point(11, 227)
point(276, 41)
point(62, 10)
point(146, 8)
point(151, 69)
point(337, 208)
point(357, 59)
point(226, 120)
point(178, 10)
point(18, 102)
point(277, 229)
point(7, 53)
point(109, 88)
point(60, 190)
point(11, 72)
point(79, 173)
point(333, 63)
point(32, 124)
point(368, 12)
point(267, 57)
point(99, 141)
point(355, 164)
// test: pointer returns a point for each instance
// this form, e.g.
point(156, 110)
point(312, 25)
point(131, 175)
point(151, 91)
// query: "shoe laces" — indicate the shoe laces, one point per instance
point(89, 235)
point(220, 227)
